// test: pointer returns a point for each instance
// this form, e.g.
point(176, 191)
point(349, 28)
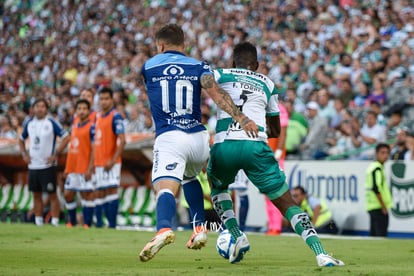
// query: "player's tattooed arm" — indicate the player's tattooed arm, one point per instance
point(224, 101)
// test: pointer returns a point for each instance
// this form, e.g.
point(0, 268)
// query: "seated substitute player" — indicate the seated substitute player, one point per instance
point(79, 165)
point(321, 217)
point(256, 96)
point(174, 82)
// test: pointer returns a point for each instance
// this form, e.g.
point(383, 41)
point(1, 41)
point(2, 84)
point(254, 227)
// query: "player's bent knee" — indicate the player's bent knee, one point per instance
point(163, 191)
point(188, 180)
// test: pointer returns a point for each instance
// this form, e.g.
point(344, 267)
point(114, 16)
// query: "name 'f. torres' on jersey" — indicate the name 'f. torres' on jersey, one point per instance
point(256, 96)
point(174, 90)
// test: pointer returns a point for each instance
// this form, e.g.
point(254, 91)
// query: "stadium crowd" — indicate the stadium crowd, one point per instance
point(345, 68)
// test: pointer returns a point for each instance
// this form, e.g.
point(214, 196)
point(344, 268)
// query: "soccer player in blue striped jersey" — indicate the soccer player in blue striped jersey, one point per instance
point(174, 83)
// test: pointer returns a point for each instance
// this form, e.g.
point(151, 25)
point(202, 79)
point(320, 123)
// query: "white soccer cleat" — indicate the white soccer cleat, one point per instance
point(164, 236)
point(326, 260)
point(238, 249)
point(197, 240)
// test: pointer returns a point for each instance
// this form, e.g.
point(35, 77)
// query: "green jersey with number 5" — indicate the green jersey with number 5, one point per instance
point(256, 96)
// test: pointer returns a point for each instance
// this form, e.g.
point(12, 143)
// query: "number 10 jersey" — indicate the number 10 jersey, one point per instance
point(174, 91)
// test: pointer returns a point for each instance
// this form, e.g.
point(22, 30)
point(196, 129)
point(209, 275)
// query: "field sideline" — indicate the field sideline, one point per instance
point(29, 250)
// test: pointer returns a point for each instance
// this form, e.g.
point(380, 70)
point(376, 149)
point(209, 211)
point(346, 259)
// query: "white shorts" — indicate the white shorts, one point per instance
point(108, 179)
point(76, 182)
point(241, 182)
point(178, 154)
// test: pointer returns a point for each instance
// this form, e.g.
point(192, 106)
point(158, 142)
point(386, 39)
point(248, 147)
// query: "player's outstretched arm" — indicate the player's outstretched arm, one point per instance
point(224, 101)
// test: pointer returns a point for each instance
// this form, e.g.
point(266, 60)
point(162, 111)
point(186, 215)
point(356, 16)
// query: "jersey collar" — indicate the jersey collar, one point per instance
point(107, 113)
point(81, 124)
point(174, 52)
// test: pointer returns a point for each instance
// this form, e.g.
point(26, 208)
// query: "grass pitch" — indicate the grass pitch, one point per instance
point(29, 250)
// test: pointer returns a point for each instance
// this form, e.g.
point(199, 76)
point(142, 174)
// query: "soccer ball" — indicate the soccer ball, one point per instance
point(224, 241)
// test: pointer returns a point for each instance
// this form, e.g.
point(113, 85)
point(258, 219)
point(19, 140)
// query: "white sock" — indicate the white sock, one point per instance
point(39, 220)
point(55, 221)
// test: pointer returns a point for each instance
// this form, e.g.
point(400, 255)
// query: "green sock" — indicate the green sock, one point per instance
point(303, 227)
point(224, 207)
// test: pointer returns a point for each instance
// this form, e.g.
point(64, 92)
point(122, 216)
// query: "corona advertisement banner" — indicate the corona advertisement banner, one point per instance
point(342, 185)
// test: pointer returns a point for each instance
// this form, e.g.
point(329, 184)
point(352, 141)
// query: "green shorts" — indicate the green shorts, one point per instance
point(257, 161)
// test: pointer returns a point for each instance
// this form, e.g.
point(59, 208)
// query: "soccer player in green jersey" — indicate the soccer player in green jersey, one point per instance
point(256, 95)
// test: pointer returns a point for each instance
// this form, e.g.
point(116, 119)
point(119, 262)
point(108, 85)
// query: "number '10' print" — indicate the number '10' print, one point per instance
point(181, 106)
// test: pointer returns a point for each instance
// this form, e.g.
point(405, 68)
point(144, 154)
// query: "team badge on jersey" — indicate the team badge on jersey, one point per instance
point(173, 70)
point(171, 167)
